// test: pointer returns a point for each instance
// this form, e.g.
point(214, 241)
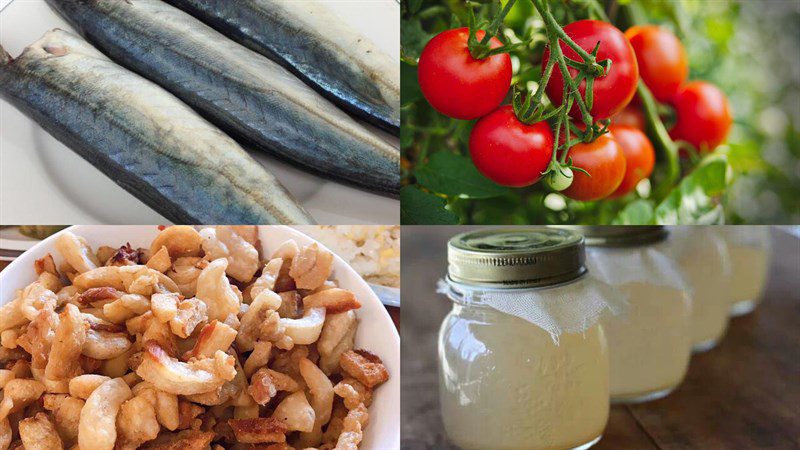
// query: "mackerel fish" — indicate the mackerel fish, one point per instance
point(141, 136)
point(249, 96)
point(309, 39)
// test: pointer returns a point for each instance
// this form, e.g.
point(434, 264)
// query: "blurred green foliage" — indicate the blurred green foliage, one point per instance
point(748, 48)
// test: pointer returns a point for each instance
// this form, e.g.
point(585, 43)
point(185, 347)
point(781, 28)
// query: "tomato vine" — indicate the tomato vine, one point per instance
point(563, 94)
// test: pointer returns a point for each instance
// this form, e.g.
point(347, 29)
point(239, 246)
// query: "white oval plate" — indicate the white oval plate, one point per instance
point(376, 332)
point(43, 182)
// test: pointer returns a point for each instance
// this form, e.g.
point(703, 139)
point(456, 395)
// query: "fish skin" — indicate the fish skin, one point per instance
point(306, 38)
point(142, 137)
point(247, 95)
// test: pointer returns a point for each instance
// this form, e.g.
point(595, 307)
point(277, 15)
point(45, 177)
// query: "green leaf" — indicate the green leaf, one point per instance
point(406, 137)
point(421, 208)
point(414, 6)
point(719, 29)
point(696, 200)
point(505, 210)
point(413, 38)
point(409, 86)
point(746, 157)
point(456, 176)
point(519, 13)
point(638, 212)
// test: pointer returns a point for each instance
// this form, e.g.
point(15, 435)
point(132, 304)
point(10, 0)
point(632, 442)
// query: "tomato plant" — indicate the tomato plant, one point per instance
point(663, 64)
point(604, 160)
point(640, 157)
point(562, 82)
point(509, 152)
point(613, 90)
point(702, 116)
point(458, 85)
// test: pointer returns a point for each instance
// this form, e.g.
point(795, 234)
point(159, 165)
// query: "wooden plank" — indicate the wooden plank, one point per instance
point(624, 432)
point(421, 425)
point(422, 312)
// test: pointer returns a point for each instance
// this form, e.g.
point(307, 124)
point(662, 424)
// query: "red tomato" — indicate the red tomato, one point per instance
point(508, 151)
point(605, 162)
point(663, 64)
point(458, 85)
point(631, 116)
point(640, 157)
point(611, 92)
point(703, 116)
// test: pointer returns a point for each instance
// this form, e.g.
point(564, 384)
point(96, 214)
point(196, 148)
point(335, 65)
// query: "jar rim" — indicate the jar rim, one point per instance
point(617, 236)
point(516, 257)
point(451, 285)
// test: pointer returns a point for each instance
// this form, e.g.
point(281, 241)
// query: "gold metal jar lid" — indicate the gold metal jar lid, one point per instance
point(619, 235)
point(516, 258)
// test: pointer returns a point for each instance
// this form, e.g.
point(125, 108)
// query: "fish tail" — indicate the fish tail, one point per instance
point(5, 58)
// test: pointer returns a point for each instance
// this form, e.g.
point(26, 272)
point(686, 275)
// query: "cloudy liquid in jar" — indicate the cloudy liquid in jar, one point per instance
point(506, 385)
point(650, 345)
point(749, 275)
point(710, 300)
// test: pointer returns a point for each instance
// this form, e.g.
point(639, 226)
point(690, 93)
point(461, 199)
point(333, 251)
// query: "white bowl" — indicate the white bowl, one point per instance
point(376, 332)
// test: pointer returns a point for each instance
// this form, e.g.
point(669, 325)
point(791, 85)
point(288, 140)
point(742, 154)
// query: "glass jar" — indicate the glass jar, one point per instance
point(505, 382)
point(650, 346)
point(701, 253)
point(749, 250)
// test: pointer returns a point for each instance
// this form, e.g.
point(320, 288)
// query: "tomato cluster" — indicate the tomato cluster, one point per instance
point(702, 114)
point(517, 153)
point(504, 149)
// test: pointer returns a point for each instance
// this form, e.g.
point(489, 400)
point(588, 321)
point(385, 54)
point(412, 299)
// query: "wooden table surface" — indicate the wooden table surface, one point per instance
point(744, 394)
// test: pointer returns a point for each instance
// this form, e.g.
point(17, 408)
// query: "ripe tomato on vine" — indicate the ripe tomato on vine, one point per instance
point(509, 152)
point(458, 85)
point(604, 160)
point(702, 116)
point(640, 157)
point(662, 60)
point(612, 91)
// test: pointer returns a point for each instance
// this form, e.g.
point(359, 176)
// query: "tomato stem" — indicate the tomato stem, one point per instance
point(532, 110)
point(567, 131)
point(552, 24)
point(589, 66)
point(548, 71)
point(482, 49)
point(571, 89)
point(661, 141)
